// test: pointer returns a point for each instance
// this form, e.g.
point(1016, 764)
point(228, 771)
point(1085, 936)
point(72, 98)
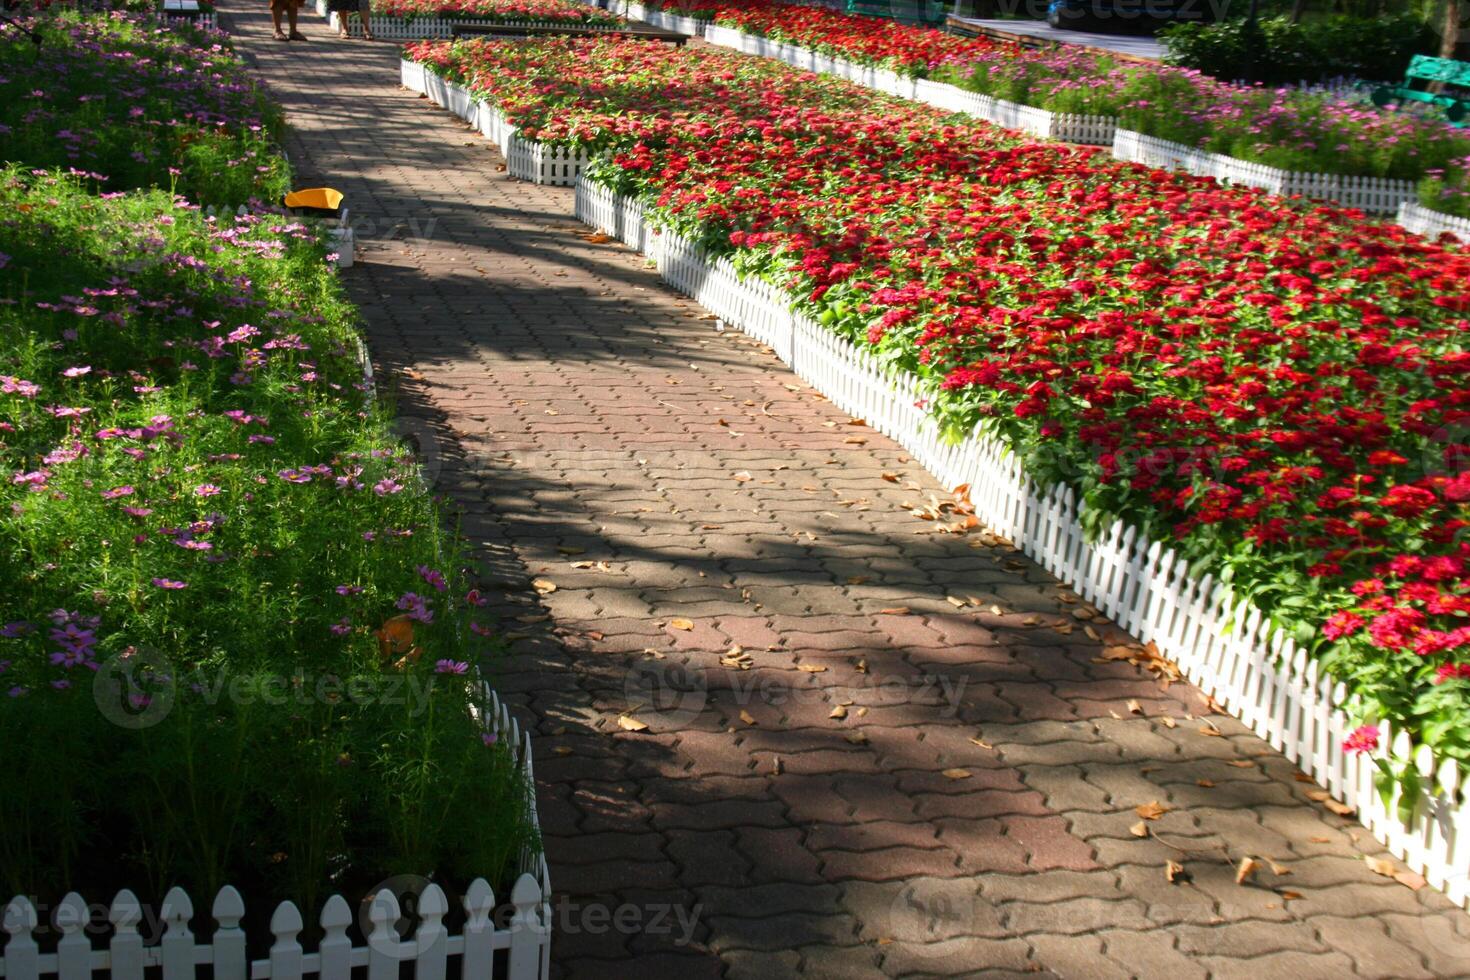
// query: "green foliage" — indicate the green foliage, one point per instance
point(1376, 48)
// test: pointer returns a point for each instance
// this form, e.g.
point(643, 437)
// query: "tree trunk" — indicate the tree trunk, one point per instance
point(1450, 38)
point(1298, 7)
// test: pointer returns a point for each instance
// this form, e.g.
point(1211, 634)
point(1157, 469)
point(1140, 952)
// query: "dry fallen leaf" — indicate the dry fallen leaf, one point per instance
point(1380, 866)
point(1151, 811)
point(1289, 896)
point(856, 738)
point(811, 668)
point(894, 611)
point(1205, 783)
point(862, 666)
point(681, 624)
point(746, 717)
point(1169, 722)
point(631, 724)
point(982, 743)
point(1341, 809)
point(1246, 870)
point(957, 774)
point(955, 601)
point(891, 477)
point(1410, 880)
point(1241, 763)
point(545, 586)
point(839, 712)
point(742, 477)
point(1134, 707)
point(1320, 840)
point(1208, 729)
point(1278, 869)
point(1173, 871)
point(1318, 795)
point(1139, 829)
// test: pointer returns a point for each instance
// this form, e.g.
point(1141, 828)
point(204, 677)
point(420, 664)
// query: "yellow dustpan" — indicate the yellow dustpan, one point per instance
point(322, 200)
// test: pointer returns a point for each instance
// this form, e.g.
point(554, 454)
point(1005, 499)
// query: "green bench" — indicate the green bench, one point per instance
point(929, 12)
point(1454, 74)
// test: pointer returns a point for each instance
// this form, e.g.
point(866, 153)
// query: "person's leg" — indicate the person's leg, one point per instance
point(291, 7)
point(365, 13)
point(276, 7)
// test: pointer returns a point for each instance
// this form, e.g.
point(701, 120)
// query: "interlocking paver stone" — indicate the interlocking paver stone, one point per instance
point(568, 404)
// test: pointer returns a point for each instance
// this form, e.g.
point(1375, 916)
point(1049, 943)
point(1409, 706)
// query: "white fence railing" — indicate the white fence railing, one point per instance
point(532, 160)
point(521, 939)
point(1375, 195)
point(1431, 224)
point(1068, 127)
point(1223, 646)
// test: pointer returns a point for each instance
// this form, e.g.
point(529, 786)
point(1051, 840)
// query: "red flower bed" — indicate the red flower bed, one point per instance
point(1279, 392)
point(552, 11)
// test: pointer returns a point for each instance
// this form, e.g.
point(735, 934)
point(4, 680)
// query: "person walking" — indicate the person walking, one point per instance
point(289, 8)
point(345, 8)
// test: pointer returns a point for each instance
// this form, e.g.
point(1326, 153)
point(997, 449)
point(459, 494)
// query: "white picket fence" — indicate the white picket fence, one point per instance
point(692, 26)
point(1067, 127)
point(532, 160)
point(1430, 223)
point(1223, 646)
point(523, 940)
point(1375, 195)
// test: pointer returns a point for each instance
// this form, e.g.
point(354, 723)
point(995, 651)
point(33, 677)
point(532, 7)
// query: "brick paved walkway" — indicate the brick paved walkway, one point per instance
point(973, 812)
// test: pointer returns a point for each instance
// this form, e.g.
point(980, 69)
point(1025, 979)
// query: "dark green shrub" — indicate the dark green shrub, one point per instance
point(1377, 48)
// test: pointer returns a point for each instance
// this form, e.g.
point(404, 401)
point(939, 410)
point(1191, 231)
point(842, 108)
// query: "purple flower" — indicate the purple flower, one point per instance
point(115, 492)
point(416, 607)
point(341, 627)
point(386, 486)
point(166, 583)
point(77, 372)
point(10, 385)
point(489, 738)
point(451, 667)
point(433, 577)
point(349, 590)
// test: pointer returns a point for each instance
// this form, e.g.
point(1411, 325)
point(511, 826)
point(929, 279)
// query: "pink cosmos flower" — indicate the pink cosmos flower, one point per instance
point(451, 667)
point(166, 583)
